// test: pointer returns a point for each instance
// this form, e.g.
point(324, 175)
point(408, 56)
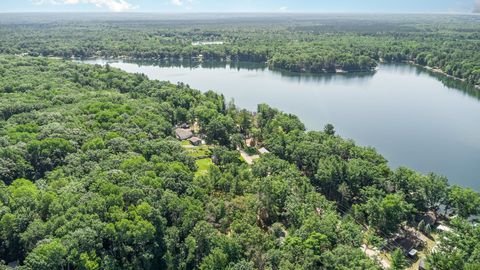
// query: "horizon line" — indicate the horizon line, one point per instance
point(244, 12)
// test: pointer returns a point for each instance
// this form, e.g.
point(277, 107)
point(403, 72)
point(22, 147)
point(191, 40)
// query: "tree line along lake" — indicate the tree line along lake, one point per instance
point(413, 117)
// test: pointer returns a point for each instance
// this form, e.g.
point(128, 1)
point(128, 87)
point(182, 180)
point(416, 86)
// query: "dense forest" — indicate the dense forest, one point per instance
point(300, 43)
point(92, 177)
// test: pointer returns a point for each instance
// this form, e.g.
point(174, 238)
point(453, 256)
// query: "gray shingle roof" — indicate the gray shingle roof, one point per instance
point(183, 134)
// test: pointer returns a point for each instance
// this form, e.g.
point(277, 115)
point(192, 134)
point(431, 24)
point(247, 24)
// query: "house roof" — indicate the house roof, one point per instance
point(183, 133)
point(195, 139)
point(444, 228)
point(413, 252)
point(263, 150)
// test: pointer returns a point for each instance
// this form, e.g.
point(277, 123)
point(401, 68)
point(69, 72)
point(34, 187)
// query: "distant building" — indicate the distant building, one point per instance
point(195, 141)
point(183, 133)
point(203, 43)
point(263, 150)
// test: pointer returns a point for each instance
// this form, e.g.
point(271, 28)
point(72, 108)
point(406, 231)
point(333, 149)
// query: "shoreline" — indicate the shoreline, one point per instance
point(228, 60)
point(443, 73)
point(381, 67)
point(337, 71)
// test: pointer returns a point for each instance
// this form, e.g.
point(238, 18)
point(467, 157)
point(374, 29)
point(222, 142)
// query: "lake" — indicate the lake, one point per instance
point(413, 117)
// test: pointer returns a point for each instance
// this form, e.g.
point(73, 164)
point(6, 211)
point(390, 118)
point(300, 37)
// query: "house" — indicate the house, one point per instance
point(408, 242)
point(202, 43)
point(195, 141)
point(183, 133)
point(263, 150)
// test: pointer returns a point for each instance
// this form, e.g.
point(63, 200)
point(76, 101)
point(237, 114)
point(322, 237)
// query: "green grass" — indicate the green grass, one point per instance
point(203, 165)
point(199, 151)
point(186, 143)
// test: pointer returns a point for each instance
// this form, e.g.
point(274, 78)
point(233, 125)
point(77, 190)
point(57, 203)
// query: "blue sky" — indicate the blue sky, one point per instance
point(464, 6)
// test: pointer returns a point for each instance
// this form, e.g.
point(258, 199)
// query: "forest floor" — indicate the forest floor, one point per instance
point(248, 159)
point(376, 255)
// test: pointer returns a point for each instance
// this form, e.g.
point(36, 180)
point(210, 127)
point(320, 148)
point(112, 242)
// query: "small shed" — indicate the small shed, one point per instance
point(183, 133)
point(263, 150)
point(195, 141)
point(412, 253)
point(444, 228)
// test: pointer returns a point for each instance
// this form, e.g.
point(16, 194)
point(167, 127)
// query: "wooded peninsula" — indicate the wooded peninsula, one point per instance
point(299, 43)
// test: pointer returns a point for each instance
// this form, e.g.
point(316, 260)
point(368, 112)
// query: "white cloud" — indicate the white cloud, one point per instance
point(283, 9)
point(113, 5)
point(177, 2)
point(476, 9)
point(186, 3)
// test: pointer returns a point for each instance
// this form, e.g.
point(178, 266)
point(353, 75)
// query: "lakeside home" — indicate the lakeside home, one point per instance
point(183, 133)
point(203, 43)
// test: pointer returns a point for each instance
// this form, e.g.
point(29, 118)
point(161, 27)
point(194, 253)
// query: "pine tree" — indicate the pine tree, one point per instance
point(428, 229)
point(398, 260)
point(421, 226)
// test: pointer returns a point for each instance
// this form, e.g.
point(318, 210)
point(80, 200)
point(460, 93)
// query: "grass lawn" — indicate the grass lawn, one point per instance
point(199, 151)
point(203, 165)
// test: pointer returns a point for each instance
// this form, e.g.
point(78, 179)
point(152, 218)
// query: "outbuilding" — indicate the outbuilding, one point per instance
point(444, 228)
point(412, 253)
point(263, 150)
point(195, 141)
